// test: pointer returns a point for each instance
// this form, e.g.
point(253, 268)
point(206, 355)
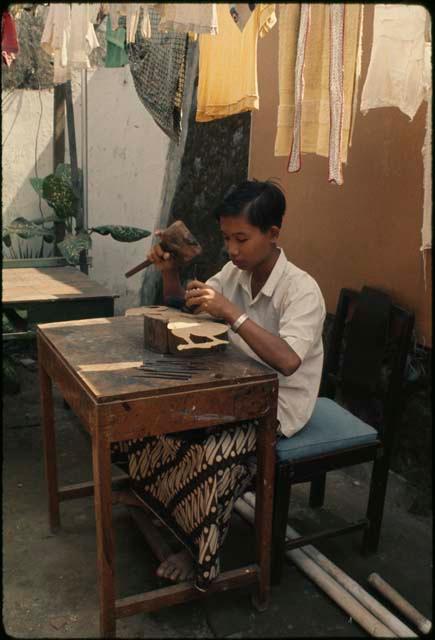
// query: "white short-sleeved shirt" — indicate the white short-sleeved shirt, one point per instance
point(289, 305)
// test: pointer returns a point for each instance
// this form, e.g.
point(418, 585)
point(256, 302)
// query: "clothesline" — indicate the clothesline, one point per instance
point(319, 66)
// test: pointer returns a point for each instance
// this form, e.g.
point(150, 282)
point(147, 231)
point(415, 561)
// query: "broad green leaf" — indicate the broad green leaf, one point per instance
point(73, 245)
point(63, 171)
point(26, 229)
point(37, 185)
point(59, 194)
point(122, 233)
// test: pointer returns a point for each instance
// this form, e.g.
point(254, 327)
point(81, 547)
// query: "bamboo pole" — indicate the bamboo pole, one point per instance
point(365, 598)
point(423, 624)
point(343, 598)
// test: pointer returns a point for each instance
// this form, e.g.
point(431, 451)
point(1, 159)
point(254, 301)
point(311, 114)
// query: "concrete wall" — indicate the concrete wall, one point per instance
point(127, 156)
point(126, 168)
point(23, 112)
point(367, 231)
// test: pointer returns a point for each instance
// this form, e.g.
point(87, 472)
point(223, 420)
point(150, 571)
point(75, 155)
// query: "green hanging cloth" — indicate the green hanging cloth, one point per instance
point(116, 55)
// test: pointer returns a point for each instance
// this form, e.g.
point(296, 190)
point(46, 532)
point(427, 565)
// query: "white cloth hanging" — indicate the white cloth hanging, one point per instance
point(336, 90)
point(426, 231)
point(395, 73)
point(69, 36)
point(194, 17)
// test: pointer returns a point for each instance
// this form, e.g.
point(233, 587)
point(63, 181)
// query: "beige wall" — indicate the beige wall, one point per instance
point(367, 231)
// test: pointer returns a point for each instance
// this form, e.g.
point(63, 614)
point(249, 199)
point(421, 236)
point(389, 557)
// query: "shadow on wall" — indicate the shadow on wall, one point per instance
point(27, 153)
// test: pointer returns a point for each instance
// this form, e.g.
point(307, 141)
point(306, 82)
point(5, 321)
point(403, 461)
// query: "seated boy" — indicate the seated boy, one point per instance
point(275, 312)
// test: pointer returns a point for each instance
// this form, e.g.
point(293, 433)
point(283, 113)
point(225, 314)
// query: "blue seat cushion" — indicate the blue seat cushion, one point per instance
point(330, 428)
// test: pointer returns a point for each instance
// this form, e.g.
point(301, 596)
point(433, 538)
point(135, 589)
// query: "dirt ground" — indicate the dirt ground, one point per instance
point(49, 581)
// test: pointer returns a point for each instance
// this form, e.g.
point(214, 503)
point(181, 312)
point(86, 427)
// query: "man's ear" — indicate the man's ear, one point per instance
point(274, 233)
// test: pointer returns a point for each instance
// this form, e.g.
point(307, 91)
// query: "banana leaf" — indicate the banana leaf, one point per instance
point(73, 245)
point(122, 233)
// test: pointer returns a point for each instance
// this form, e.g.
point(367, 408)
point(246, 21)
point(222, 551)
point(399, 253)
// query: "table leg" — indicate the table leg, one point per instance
point(104, 530)
point(266, 437)
point(49, 439)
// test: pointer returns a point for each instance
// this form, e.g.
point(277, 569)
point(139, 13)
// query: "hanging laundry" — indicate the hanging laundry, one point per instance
point(158, 66)
point(69, 36)
point(396, 68)
point(321, 64)
point(426, 231)
point(194, 17)
point(116, 55)
point(10, 46)
point(132, 12)
point(228, 64)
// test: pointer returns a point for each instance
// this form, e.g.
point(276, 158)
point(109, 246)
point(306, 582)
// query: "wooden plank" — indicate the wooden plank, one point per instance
point(73, 392)
point(33, 284)
point(58, 148)
point(187, 410)
point(153, 536)
point(104, 530)
point(266, 439)
point(84, 489)
point(49, 440)
point(184, 592)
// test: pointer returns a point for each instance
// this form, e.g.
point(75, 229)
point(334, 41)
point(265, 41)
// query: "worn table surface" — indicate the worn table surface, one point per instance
point(105, 353)
point(49, 284)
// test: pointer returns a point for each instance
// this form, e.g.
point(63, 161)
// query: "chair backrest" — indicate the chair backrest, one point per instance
point(367, 384)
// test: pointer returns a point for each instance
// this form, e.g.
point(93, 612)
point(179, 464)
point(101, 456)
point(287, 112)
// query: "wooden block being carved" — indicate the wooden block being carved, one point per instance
point(168, 330)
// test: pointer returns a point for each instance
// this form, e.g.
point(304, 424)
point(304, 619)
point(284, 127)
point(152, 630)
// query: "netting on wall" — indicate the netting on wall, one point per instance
point(158, 67)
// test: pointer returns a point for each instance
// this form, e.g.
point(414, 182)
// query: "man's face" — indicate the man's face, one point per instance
point(247, 245)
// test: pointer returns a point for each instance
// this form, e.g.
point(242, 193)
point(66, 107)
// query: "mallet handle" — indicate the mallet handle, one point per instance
point(139, 267)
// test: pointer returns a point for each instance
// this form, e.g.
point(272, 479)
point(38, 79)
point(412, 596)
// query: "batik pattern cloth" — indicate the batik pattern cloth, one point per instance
point(191, 486)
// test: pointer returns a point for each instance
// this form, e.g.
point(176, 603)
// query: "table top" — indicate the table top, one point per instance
point(28, 285)
point(105, 355)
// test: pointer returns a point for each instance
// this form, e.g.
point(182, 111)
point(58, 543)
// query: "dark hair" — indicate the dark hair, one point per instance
point(263, 203)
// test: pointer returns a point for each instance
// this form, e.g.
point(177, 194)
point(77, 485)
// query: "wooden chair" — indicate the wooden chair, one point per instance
point(364, 368)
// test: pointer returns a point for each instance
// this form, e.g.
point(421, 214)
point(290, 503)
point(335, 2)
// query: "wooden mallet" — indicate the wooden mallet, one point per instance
point(179, 242)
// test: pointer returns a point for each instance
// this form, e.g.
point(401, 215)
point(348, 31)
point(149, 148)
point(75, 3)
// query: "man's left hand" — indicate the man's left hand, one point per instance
point(206, 299)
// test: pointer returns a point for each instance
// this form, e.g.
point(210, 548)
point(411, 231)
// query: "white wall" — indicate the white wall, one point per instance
point(22, 113)
point(127, 155)
point(126, 167)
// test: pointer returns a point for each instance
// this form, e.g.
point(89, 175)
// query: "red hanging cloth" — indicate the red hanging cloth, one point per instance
point(9, 39)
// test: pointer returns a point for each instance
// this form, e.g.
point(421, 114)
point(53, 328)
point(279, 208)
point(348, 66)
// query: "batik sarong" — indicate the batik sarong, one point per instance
point(191, 485)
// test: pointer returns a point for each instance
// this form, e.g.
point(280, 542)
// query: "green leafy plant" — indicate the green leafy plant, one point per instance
point(57, 190)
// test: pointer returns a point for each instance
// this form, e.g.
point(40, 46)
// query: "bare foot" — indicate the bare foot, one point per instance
point(177, 567)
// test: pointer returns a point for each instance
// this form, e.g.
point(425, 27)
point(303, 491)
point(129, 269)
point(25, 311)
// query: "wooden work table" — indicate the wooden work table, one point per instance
point(53, 294)
point(94, 364)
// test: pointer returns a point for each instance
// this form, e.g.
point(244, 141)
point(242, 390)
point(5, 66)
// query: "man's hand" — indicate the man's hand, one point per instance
point(206, 299)
point(162, 260)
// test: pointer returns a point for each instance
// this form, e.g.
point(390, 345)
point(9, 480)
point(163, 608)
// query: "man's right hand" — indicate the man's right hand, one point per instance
point(162, 260)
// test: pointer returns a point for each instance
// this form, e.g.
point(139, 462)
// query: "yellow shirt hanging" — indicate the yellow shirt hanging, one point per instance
point(228, 64)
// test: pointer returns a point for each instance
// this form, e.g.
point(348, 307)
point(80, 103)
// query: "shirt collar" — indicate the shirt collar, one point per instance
point(273, 279)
